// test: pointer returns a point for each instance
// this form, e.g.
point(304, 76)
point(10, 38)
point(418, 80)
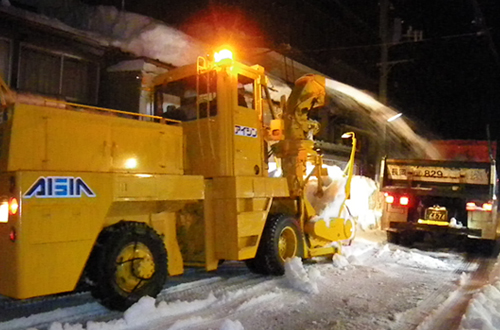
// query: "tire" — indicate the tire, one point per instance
point(255, 266)
point(482, 247)
point(393, 237)
point(129, 262)
point(281, 239)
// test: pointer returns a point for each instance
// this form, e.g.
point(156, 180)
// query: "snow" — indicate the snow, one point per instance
point(299, 278)
point(380, 113)
point(483, 312)
point(361, 205)
point(140, 34)
point(368, 271)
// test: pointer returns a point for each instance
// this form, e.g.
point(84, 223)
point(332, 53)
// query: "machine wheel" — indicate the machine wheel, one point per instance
point(282, 239)
point(129, 262)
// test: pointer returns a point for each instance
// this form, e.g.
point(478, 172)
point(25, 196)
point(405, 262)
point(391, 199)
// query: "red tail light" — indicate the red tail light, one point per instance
point(470, 206)
point(487, 207)
point(404, 200)
point(12, 235)
point(13, 206)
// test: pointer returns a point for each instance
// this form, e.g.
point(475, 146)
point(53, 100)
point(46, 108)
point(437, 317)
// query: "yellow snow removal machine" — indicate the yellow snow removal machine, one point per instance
point(120, 201)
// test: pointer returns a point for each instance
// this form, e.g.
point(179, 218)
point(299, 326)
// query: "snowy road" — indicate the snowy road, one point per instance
point(374, 286)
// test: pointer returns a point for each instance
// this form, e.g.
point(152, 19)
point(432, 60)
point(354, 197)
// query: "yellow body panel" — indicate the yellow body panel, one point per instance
point(240, 208)
point(338, 230)
point(52, 139)
point(56, 235)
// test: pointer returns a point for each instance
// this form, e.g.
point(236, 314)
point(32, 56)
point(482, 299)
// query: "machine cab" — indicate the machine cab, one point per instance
point(219, 104)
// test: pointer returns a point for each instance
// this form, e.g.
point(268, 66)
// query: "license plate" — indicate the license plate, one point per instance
point(439, 215)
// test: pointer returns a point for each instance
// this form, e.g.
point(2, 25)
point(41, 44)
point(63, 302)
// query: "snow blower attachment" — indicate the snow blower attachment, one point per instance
point(297, 150)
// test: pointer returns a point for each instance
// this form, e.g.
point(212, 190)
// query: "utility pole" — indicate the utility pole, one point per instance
point(384, 50)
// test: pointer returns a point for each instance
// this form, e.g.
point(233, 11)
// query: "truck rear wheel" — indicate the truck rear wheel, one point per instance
point(130, 262)
point(393, 237)
point(281, 240)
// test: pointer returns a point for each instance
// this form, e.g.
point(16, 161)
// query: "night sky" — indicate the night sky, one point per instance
point(452, 83)
point(448, 82)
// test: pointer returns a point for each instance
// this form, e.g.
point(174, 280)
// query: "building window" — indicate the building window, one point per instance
point(54, 74)
point(80, 79)
point(5, 56)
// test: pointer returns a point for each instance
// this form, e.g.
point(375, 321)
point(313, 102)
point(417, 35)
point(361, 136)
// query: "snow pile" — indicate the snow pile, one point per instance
point(298, 278)
point(231, 325)
point(359, 250)
point(419, 260)
point(363, 249)
point(361, 205)
point(143, 313)
point(339, 261)
point(483, 312)
point(363, 202)
point(30, 321)
point(328, 202)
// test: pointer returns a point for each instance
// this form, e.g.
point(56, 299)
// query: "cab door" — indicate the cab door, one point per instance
point(248, 142)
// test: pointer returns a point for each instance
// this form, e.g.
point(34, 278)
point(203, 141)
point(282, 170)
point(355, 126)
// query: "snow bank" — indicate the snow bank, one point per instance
point(231, 325)
point(143, 313)
point(361, 250)
point(419, 260)
point(483, 312)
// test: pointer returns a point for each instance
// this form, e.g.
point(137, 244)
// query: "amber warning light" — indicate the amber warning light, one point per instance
point(13, 206)
point(223, 56)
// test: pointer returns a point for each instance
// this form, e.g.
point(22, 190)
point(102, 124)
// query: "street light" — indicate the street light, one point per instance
point(389, 120)
point(393, 118)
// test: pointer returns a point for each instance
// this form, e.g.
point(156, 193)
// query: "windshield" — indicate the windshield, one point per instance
point(189, 98)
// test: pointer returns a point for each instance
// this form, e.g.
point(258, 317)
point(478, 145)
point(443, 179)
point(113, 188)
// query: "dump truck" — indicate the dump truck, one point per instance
point(454, 195)
point(120, 201)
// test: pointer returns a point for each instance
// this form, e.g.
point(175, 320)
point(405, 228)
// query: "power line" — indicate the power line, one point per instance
point(456, 36)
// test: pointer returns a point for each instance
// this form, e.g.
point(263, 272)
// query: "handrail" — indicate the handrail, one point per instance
point(6, 94)
point(162, 120)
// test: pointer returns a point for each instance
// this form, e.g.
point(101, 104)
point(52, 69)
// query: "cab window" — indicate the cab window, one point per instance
point(177, 100)
point(246, 92)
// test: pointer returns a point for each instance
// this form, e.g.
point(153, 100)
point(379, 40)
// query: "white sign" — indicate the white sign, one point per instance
point(245, 131)
point(59, 187)
point(438, 174)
